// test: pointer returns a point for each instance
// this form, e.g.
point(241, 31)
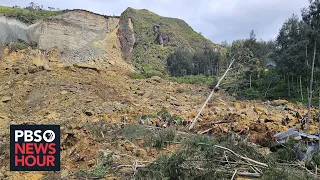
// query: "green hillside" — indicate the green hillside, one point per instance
point(27, 15)
point(148, 55)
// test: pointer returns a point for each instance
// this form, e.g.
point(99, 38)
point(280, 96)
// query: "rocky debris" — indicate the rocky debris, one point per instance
point(129, 146)
point(156, 28)
point(258, 127)
point(159, 39)
point(260, 110)
point(20, 70)
point(5, 99)
point(87, 66)
point(63, 92)
point(156, 79)
point(34, 69)
point(279, 102)
point(141, 152)
point(88, 113)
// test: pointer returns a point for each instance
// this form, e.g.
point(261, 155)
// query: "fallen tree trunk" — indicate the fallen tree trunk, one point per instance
point(212, 92)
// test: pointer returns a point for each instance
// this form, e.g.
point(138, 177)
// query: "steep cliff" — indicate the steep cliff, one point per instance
point(147, 38)
point(76, 36)
point(139, 37)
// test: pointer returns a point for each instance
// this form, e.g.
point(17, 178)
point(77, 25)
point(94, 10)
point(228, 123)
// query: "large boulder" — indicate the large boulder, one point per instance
point(260, 110)
point(257, 127)
point(279, 102)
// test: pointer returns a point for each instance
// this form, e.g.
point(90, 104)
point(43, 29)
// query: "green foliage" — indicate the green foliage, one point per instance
point(21, 45)
point(186, 63)
point(164, 137)
point(29, 15)
point(137, 75)
point(177, 35)
point(200, 158)
point(99, 172)
point(158, 139)
point(286, 153)
point(97, 129)
point(3, 148)
point(133, 131)
point(163, 114)
point(194, 79)
point(285, 173)
point(316, 158)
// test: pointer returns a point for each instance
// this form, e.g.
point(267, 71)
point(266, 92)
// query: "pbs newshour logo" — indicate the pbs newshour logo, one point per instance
point(34, 148)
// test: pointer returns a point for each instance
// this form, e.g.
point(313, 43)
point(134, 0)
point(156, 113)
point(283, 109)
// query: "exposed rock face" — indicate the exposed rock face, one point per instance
point(77, 35)
point(12, 30)
point(152, 38)
point(160, 39)
point(126, 37)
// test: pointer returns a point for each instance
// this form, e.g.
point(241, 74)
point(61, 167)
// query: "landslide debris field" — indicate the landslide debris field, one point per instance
point(87, 101)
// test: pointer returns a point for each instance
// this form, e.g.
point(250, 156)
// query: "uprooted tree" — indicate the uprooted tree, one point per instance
point(237, 62)
point(311, 19)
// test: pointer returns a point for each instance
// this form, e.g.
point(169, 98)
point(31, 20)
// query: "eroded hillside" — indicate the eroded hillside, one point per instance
point(147, 39)
point(88, 101)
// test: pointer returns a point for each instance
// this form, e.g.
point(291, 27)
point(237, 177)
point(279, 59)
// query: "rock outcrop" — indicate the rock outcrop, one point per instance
point(77, 35)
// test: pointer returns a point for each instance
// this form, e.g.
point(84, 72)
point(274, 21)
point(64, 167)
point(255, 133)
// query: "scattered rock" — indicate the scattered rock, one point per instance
point(5, 99)
point(126, 170)
point(87, 66)
point(91, 162)
point(34, 69)
point(260, 128)
point(88, 113)
point(47, 67)
point(279, 102)
point(260, 110)
point(63, 92)
point(156, 79)
point(237, 106)
point(129, 147)
point(141, 152)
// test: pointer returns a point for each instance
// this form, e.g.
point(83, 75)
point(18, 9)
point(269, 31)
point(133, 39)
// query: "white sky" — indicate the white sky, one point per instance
point(218, 20)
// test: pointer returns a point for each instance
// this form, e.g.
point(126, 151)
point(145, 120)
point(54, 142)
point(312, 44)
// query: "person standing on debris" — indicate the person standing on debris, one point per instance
point(287, 120)
point(167, 119)
point(184, 123)
point(259, 121)
point(189, 120)
point(303, 122)
point(141, 122)
point(297, 115)
point(232, 125)
point(148, 121)
point(157, 124)
point(116, 125)
point(164, 125)
point(283, 122)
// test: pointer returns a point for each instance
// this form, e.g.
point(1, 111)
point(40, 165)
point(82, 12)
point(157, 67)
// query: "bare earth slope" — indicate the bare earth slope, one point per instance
point(34, 90)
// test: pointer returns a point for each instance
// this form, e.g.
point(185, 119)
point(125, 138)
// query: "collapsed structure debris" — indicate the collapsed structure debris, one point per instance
point(305, 145)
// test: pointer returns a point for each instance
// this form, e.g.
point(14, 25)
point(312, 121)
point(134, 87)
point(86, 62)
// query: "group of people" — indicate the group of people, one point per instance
point(300, 120)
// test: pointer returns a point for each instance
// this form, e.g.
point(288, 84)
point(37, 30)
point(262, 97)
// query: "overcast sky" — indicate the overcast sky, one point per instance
point(218, 20)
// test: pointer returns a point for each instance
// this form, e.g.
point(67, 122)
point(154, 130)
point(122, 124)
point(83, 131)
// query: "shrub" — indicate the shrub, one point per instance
point(27, 15)
point(164, 137)
point(133, 131)
point(194, 79)
point(3, 148)
point(136, 75)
